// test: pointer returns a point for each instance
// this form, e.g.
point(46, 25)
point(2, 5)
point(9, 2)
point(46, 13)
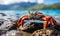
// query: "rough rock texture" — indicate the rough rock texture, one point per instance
point(57, 18)
point(2, 14)
point(7, 23)
point(16, 33)
point(42, 33)
point(31, 24)
point(47, 32)
point(12, 33)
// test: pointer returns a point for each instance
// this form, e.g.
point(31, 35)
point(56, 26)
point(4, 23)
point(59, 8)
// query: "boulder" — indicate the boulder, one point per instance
point(47, 32)
point(2, 14)
point(57, 18)
point(12, 33)
point(7, 23)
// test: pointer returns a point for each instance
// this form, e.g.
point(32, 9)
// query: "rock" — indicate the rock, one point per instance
point(7, 23)
point(41, 32)
point(2, 14)
point(15, 33)
point(2, 32)
point(26, 26)
point(57, 18)
point(3, 35)
point(12, 33)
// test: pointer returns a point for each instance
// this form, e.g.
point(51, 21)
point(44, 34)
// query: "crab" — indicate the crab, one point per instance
point(37, 16)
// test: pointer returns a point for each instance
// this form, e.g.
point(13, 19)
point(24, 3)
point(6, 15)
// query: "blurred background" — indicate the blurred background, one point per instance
point(21, 7)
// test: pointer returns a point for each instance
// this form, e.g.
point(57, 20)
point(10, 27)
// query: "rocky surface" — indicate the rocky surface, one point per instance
point(42, 33)
point(48, 32)
point(8, 25)
point(2, 14)
point(57, 18)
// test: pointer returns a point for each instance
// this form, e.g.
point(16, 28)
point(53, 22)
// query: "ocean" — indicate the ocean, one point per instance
point(19, 13)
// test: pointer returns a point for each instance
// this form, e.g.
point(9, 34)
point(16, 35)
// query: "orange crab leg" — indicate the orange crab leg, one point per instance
point(45, 25)
point(47, 20)
point(21, 21)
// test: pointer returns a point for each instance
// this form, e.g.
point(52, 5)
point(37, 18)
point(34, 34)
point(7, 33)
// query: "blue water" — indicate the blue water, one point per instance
point(19, 13)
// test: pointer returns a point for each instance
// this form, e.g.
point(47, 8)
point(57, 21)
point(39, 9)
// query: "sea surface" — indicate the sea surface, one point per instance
point(19, 13)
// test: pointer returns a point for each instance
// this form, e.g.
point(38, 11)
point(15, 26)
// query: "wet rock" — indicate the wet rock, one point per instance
point(2, 14)
point(26, 26)
point(12, 33)
point(29, 25)
point(3, 35)
point(47, 32)
point(2, 32)
point(17, 33)
point(57, 18)
point(7, 23)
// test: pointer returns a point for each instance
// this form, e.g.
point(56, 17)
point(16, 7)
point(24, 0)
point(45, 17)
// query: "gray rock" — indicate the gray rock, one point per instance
point(57, 18)
point(2, 14)
point(6, 23)
point(3, 35)
point(13, 33)
point(2, 32)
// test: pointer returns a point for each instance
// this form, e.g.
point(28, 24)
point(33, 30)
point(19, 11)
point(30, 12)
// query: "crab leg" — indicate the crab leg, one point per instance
point(21, 21)
point(48, 20)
